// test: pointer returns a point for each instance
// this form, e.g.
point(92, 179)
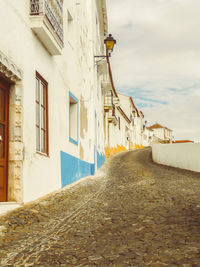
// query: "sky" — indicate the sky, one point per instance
point(157, 60)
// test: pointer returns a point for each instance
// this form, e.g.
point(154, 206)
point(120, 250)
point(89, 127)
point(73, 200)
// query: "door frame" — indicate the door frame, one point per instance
point(6, 86)
point(11, 76)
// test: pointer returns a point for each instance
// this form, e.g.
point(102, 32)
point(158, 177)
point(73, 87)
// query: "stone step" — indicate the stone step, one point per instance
point(7, 206)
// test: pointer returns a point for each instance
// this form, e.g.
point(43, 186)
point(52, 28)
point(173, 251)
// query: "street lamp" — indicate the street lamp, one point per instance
point(110, 43)
point(134, 113)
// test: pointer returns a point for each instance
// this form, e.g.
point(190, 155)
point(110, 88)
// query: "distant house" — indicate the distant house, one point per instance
point(161, 134)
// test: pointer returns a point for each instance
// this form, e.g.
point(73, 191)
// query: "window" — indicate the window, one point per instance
point(73, 119)
point(41, 115)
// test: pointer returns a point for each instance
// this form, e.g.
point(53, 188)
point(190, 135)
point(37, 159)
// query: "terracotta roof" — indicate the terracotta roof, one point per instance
point(182, 141)
point(157, 126)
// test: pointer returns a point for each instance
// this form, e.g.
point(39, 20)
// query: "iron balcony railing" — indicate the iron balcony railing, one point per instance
point(53, 10)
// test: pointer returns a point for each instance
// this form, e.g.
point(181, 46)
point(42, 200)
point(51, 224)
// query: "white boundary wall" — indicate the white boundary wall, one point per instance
point(184, 156)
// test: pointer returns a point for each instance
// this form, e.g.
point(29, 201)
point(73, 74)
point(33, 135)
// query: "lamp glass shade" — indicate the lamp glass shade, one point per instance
point(110, 42)
point(109, 45)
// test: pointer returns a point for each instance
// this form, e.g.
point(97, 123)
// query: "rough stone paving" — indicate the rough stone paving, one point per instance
point(133, 213)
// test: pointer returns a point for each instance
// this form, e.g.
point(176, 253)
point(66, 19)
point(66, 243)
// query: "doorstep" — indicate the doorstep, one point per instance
point(7, 206)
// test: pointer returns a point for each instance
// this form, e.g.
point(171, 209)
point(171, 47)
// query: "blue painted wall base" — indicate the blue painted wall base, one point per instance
point(72, 168)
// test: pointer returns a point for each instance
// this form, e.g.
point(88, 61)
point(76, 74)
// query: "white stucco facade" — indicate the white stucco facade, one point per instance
point(138, 129)
point(74, 87)
point(161, 134)
point(119, 133)
point(136, 118)
point(184, 156)
point(147, 136)
point(125, 131)
point(118, 127)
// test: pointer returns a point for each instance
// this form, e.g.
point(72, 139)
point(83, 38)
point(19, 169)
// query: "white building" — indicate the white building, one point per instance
point(116, 122)
point(123, 123)
point(51, 113)
point(136, 118)
point(147, 136)
point(161, 134)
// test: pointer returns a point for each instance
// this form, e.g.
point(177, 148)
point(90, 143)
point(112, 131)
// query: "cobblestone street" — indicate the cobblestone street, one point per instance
point(133, 213)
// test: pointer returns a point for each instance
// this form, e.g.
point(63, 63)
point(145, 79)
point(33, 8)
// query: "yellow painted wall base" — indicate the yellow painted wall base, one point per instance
point(138, 146)
point(109, 151)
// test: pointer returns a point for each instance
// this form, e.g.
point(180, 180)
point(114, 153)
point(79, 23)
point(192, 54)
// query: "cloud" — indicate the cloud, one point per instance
point(157, 59)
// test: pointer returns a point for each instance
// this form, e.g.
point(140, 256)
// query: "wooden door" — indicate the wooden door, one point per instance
point(4, 89)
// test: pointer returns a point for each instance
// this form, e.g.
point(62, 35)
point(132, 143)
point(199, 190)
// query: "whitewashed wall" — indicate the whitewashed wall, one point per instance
point(184, 156)
point(162, 133)
point(159, 132)
point(127, 107)
point(118, 137)
point(125, 104)
point(138, 127)
point(147, 137)
point(73, 71)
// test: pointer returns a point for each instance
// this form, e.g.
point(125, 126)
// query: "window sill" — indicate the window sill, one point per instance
point(42, 154)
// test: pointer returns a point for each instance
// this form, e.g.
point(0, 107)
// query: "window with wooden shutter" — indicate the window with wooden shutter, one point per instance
point(41, 115)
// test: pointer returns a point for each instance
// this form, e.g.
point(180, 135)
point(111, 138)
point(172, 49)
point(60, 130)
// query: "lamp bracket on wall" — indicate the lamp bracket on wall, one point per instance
point(109, 43)
point(101, 58)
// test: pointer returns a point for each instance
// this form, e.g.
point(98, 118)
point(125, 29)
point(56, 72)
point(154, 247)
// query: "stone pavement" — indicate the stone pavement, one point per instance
point(133, 213)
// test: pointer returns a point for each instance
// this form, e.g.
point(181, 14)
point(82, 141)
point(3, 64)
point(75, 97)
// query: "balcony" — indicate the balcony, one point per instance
point(112, 117)
point(46, 21)
point(108, 101)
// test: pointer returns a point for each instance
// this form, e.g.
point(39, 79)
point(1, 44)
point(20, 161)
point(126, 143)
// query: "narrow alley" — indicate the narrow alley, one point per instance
point(132, 213)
